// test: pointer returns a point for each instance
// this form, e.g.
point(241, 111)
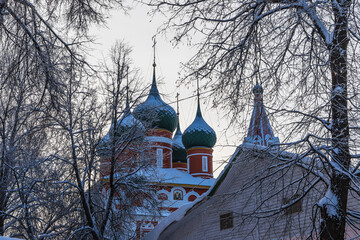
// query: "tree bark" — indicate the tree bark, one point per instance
point(333, 226)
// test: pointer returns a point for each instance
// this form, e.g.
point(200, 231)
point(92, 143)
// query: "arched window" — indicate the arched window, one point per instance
point(178, 195)
point(204, 163)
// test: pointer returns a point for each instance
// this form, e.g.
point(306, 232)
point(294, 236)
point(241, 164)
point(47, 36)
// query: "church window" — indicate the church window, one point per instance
point(204, 163)
point(226, 221)
point(295, 207)
point(159, 157)
point(178, 195)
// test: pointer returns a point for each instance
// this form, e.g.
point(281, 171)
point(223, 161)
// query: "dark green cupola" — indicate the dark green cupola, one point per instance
point(179, 152)
point(199, 133)
point(154, 112)
point(128, 128)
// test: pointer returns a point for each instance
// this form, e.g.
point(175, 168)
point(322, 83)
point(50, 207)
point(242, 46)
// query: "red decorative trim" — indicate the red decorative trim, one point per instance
point(199, 150)
point(180, 166)
point(159, 133)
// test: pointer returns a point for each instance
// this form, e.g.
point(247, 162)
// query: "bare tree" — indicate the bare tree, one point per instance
point(306, 53)
point(101, 180)
point(125, 164)
point(21, 123)
point(49, 25)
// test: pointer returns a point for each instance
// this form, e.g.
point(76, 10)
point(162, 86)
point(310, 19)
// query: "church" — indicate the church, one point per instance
point(180, 166)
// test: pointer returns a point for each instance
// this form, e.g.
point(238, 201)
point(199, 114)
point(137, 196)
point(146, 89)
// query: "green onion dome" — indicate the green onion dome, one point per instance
point(179, 152)
point(199, 133)
point(128, 125)
point(154, 112)
point(128, 128)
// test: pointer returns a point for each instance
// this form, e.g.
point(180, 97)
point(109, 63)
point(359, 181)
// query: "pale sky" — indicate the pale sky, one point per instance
point(137, 29)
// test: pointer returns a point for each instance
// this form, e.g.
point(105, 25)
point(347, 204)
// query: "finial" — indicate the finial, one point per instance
point(154, 46)
point(177, 103)
point(198, 90)
point(198, 113)
point(154, 90)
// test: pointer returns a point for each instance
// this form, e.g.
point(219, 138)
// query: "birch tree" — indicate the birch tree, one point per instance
point(306, 53)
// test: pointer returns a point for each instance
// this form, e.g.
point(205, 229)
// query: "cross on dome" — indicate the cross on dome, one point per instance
point(199, 133)
point(154, 111)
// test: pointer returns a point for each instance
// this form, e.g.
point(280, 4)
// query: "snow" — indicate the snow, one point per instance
point(155, 103)
point(175, 176)
point(338, 90)
point(170, 176)
point(177, 141)
point(129, 121)
point(8, 238)
point(175, 216)
point(330, 202)
point(199, 125)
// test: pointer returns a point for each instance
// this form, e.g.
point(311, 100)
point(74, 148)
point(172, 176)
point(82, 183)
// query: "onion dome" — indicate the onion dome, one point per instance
point(128, 128)
point(199, 133)
point(128, 124)
point(179, 152)
point(155, 112)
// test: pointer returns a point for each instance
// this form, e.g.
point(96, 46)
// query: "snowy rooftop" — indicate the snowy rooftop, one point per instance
point(175, 216)
point(181, 212)
point(171, 176)
point(175, 176)
point(8, 238)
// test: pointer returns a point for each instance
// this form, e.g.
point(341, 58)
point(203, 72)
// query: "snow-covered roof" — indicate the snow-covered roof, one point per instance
point(181, 212)
point(8, 238)
point(175, 216)
point(175, 176)
point(171, 176)
point(129, 121)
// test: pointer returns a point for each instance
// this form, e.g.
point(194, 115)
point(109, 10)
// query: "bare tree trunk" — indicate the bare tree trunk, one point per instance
point(333, 225)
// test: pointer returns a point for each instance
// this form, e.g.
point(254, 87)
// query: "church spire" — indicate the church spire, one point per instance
point(260, 131)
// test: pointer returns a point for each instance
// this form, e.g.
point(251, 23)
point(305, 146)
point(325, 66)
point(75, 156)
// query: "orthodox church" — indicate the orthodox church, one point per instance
point(181, 165)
